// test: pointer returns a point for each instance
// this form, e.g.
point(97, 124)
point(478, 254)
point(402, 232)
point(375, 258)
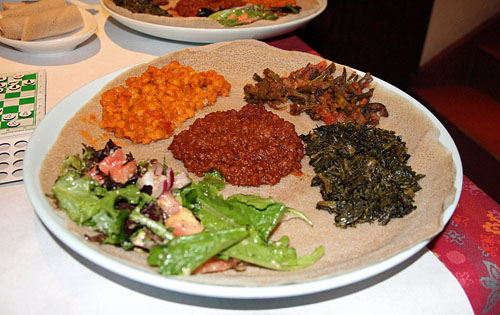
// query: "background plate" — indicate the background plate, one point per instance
point(206, 35)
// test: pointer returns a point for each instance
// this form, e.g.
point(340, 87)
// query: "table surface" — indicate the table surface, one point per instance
point(456, 274)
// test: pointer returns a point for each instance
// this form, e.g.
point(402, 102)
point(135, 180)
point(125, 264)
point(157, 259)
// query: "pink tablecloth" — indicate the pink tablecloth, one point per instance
point(469, 245)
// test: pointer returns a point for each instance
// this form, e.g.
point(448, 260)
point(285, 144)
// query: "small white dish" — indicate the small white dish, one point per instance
point(57, 44)
point(213, 35)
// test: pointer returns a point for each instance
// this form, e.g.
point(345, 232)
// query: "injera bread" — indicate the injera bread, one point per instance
point(345, 249)
point(308, 7)
point(25, 9)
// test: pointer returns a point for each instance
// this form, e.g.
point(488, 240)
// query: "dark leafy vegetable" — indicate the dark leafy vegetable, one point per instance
point(316, 91)
point(362, 172)
point(142, 6)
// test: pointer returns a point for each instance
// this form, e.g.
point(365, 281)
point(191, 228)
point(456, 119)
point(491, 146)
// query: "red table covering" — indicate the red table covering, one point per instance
point(469, 245)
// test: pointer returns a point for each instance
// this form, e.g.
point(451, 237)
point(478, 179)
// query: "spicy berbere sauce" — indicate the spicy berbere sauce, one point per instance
point(249, 147)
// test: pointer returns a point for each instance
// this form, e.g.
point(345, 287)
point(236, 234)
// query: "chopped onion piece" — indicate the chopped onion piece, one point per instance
point(181, 180)
point(169, 204)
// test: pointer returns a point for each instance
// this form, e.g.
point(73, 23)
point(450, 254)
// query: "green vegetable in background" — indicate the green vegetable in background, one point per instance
point(246, 15)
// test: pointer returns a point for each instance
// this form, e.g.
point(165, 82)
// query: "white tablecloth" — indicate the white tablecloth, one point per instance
point(40, 276)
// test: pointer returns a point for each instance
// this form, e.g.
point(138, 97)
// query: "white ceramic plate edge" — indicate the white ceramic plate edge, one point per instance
point(60, 43)
point(206, 35)
point(44, 137)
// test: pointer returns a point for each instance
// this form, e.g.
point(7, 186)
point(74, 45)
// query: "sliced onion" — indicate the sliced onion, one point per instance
point(169, 204)
point(146, 180)
point(162, 180)
point(167, 180)
point(158, 186)
point(157, 168)
point(181, 180)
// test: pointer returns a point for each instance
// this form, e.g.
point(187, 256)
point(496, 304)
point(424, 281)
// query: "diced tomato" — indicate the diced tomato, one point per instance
point(184, 223)
point(121, 174)
point(112, 161)
point(95, 176)
point(214, 265)
point(114, 165)
point(243, 17)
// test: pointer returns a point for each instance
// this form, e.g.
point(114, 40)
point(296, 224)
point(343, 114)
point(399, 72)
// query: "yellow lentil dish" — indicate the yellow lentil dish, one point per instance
point(151, 106)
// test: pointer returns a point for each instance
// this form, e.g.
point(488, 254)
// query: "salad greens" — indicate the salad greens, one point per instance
point(250, 14)
point(126, 215)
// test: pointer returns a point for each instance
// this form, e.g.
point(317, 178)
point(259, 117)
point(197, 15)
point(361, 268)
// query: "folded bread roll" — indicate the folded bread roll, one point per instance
point(13, 5)
point(31, 8)
point(52, 22)
point(12, 27)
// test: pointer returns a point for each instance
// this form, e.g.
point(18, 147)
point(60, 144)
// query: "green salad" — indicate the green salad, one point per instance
point(183, 226)
point(250, 14)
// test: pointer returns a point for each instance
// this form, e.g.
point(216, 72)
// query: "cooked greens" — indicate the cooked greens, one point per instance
point(362, 173)
point(142, 6)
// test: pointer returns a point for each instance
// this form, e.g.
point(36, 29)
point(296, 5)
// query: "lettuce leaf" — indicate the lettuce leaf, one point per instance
point(186, 253)
point(259, 216)
point(78, 196)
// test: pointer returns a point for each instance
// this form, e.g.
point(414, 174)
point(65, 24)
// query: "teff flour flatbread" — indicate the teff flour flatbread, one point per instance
point(345, 249)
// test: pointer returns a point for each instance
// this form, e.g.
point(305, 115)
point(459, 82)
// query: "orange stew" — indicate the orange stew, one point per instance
point(151, 106)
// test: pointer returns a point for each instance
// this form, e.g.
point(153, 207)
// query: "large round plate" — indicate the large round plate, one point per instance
point(57, 44)
point(46, 134)
point(209, 35)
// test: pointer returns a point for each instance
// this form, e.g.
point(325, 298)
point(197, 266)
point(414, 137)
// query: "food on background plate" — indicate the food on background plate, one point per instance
point(42, 19)
point(206, 8)
point(344, 249)
point(215, 14)
point(153, 104)
point(261, 150)
point(226, 12)
point(362, 172)
point(201, 8)
point(181, 227)
point(315, 90)
point(251, 13)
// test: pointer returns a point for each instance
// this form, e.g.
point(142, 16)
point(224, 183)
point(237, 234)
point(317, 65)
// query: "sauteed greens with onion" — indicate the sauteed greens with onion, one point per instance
point(362, 173)
point(181, 225)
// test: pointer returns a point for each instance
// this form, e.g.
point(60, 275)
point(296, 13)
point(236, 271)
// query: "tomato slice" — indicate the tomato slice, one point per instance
point(184, 223)
point(115, 166)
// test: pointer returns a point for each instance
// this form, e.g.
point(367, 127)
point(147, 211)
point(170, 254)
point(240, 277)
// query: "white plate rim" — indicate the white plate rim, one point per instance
point(60, 43)
point(49, 128)
point(208, 35)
